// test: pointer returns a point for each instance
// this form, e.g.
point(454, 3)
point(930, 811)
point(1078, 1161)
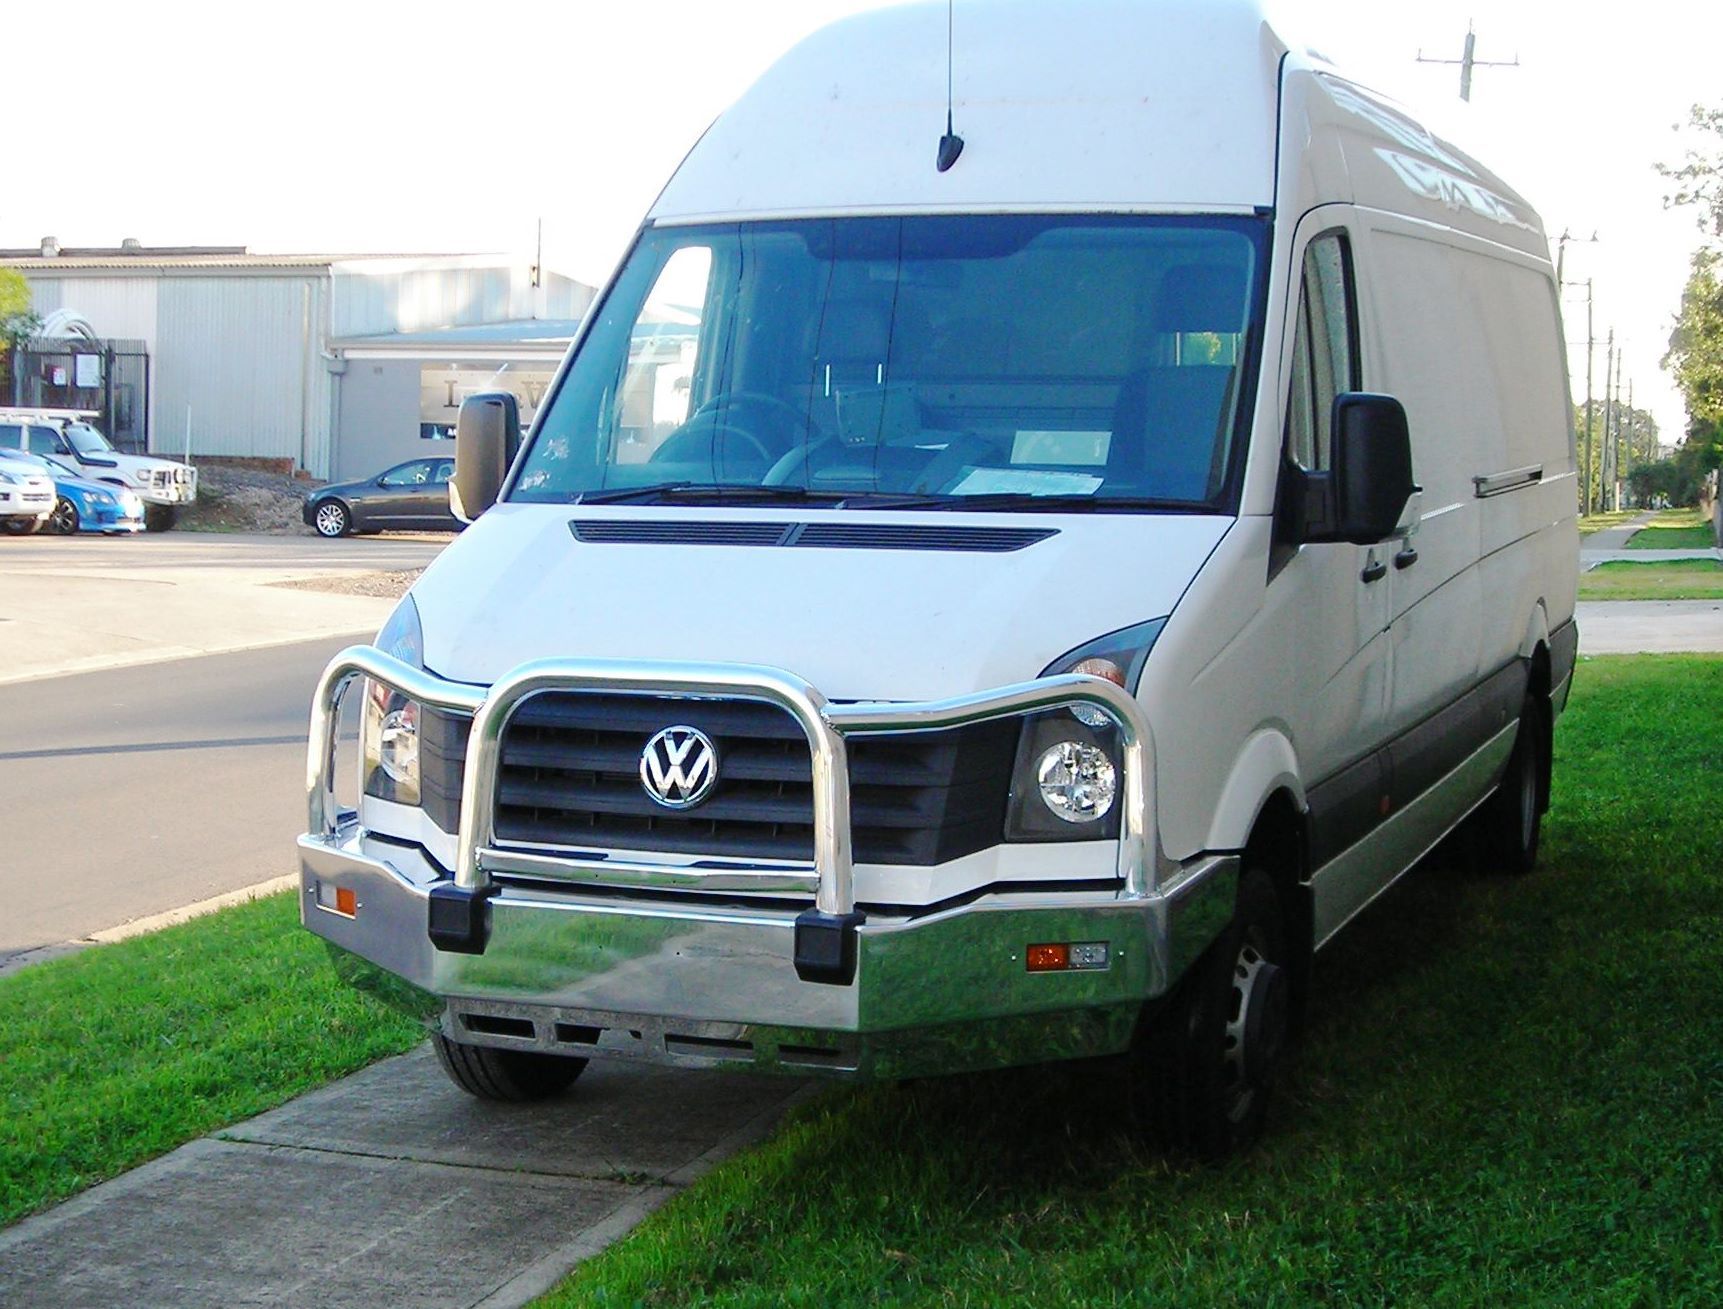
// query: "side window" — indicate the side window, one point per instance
point(444, 470)
point(1324, 351)
point(11, 436)
point(657, 391)
point(44, 441)
point(412, 474)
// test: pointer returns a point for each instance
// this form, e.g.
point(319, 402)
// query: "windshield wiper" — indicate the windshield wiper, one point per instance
point(710, 493)
point(1017, 500)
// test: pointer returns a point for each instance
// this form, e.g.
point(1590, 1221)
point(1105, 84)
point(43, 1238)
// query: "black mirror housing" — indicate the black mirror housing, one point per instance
point(487, 435)
point(1362, 498)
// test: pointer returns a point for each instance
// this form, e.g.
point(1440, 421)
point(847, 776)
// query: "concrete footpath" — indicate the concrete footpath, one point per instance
point(392, 1188)
point(1645, 626)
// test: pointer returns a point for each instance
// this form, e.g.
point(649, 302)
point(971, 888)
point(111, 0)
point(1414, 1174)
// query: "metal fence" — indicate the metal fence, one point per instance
point(111, 378)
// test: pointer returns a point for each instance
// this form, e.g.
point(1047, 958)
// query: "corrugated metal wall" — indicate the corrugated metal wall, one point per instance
point(243, 353)
point(117, 307)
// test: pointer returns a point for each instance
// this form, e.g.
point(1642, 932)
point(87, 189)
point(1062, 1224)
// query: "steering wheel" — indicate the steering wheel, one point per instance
point(718, 413)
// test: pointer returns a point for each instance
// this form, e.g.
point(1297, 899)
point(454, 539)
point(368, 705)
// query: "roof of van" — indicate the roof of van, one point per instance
point(1061, 104)
point(1117, 105)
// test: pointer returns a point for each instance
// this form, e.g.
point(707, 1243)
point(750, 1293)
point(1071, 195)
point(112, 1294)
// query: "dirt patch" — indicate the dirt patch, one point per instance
point(386, 585)
point(246, 500)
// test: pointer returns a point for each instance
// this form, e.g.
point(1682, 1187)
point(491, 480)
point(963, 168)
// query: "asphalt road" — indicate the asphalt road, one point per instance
point(139, 790)
point(218, 551)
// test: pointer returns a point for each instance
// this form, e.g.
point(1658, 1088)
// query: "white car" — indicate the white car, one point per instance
point(26, 496)
point(162, 484)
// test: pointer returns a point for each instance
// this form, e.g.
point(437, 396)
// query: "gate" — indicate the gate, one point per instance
point(112, 378)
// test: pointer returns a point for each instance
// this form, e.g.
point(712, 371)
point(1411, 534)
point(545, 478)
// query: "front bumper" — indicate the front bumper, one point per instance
point(706, 965)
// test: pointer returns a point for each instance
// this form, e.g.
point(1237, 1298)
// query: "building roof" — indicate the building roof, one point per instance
point(548, 331)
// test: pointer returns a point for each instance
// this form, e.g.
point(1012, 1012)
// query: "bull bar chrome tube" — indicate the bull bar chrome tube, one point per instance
point(826, 726)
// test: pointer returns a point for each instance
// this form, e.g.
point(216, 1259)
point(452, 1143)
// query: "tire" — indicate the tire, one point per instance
point(1204, 1067)
point(21, 526)
point(64, 520)
point(513, 1076)
point(1508, 826)
point(158, 518)
point(331, 518)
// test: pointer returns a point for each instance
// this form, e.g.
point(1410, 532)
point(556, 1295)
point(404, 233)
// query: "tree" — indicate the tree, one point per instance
point(18, 322)
point(1695, 354)
point(1698, 178)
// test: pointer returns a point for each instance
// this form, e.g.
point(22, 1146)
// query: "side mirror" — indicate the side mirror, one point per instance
point(487, 435)
point(1363, 497)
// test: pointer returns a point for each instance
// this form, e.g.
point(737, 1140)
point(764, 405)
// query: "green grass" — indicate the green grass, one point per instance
point(120, 1053)
point(1674, 529)
point(1590, 523)
point(1511, 1094)
point(1674, 579)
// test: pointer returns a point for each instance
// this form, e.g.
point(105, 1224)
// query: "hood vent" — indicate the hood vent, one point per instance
point(819, 536)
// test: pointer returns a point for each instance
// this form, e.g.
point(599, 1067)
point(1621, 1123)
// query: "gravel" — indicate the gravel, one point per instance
point(385, 585)
point(246, 500)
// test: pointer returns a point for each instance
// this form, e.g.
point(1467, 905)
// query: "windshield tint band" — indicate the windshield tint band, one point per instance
point(1011, 357)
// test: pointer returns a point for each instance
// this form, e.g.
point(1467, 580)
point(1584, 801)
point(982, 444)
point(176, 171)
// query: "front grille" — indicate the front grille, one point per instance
point(570, 777)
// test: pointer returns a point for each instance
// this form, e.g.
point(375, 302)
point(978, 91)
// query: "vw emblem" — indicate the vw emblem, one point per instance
point(679, 767)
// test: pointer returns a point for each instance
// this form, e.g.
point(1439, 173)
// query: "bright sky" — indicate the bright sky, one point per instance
point(376, 125)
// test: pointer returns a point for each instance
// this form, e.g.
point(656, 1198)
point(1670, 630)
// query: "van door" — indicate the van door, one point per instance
point(1334, 597)
point(1430, 350)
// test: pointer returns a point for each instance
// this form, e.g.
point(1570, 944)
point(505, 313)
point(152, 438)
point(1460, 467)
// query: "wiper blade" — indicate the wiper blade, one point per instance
point(709, 492)
point(1016, 500)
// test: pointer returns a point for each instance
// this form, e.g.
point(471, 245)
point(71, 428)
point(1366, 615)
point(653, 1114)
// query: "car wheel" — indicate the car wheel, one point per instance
point(516, 1076)
point(1508, 826)
point(332, 519)
point(64, 520)
point(158, 518)
point(1204, 1066)
point(21, 526)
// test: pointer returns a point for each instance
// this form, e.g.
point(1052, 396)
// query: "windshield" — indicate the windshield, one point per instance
point(86, 440)
point(1065, 359)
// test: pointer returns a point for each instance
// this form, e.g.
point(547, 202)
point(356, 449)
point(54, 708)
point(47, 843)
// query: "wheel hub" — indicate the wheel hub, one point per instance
point(1256, 1024)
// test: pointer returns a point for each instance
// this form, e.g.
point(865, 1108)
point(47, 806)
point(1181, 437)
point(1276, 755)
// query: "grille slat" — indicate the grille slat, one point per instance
point(570, 776)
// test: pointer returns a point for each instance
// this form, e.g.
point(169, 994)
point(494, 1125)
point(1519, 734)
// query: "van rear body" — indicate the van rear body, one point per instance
point(944, 619)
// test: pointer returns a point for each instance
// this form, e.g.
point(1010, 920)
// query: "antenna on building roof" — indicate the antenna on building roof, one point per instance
point(951, 144)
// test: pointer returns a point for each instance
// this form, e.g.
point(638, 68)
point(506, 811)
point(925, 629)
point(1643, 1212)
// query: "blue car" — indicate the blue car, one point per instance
point(81, 505)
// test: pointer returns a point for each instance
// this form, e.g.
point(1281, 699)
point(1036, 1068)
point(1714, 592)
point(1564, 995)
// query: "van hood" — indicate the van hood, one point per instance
point(858, 623)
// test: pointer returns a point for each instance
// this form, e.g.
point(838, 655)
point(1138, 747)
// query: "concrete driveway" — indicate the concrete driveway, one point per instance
point(72, 604)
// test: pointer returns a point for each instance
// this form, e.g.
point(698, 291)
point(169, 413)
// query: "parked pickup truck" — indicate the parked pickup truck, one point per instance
point(162, 484)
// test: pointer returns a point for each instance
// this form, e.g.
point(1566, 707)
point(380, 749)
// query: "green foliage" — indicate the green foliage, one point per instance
point(18, 322)
point(1509, 1096)
point(119, 1053)
point(1675, 579)
point(1695, 354)
point(1698, 178)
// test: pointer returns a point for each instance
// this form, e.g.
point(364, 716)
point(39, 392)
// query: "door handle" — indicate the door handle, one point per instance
point(1374, 571)
point(1406, 558)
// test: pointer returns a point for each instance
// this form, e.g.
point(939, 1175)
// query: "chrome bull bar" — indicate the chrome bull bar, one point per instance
point(457, 909)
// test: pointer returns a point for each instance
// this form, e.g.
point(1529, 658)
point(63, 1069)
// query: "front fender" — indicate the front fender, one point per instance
point(1266, 764)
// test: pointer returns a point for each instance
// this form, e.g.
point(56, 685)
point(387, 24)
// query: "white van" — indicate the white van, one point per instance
point(951, 617)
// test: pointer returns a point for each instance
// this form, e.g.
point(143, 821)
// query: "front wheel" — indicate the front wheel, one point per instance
point(158, 518)
point(64, 520)
point(331, 519)
point(1508, 826)
point(1203, 1068)
point(514, 1076)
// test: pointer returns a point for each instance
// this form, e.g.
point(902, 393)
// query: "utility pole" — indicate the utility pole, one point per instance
point(1605, 475)
point(1561, 244)
point(1590, 341)
point(1467, 61)
point(1615, 463)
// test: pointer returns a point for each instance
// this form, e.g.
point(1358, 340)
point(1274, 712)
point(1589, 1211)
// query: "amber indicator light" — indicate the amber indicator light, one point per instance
point(346, 902)
point(1048, 958)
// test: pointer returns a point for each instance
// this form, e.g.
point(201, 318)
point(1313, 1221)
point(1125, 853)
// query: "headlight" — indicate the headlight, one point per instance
point(1065, 783)
point(1077, 781)
point(389, 736)
point(101, 498)
point(7, 479)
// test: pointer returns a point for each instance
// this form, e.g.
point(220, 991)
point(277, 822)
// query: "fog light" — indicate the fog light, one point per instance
point(1078, 781)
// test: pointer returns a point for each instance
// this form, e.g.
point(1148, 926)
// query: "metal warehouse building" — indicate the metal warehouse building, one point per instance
point(337, 364)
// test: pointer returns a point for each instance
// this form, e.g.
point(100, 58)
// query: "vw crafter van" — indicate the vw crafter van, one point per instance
point(980, 593)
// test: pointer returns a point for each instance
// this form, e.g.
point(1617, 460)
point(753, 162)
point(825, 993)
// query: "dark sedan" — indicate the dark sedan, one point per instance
point(409, 495)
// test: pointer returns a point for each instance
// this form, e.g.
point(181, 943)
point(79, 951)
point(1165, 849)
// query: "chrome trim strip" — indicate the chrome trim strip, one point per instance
point(826, 726)
point(1497, 483)
point(619, 872)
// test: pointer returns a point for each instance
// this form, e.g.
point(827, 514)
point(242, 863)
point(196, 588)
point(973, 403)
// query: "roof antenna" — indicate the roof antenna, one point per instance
point(951, 144)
